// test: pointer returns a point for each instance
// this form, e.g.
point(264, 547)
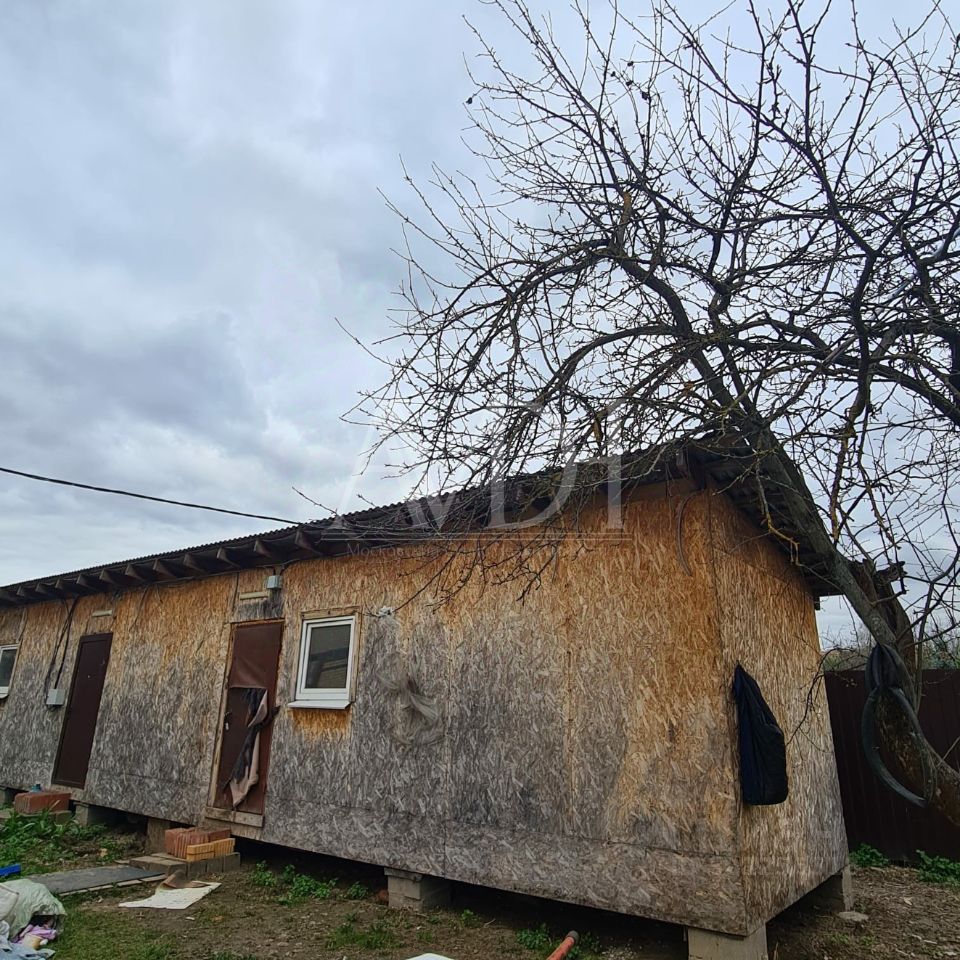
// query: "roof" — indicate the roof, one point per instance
point(412, 520)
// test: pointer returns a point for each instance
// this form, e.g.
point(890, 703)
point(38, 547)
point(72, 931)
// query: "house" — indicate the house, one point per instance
point(578, 743)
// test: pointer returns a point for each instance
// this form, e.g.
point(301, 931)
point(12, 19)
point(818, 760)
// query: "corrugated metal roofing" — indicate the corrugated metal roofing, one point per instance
point(374, 526)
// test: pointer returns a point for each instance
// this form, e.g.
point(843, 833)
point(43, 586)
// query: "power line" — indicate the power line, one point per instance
point(144, 496)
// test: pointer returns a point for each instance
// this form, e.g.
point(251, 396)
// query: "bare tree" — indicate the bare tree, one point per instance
point(745, 228)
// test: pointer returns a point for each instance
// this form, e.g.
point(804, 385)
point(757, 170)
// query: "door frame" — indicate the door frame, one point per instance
point(249, 819)
point(66, 714)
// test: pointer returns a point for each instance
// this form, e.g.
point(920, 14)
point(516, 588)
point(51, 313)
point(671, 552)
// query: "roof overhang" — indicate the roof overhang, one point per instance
point(407, 522)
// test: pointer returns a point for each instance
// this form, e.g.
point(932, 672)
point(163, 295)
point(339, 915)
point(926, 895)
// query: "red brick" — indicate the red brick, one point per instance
point(171, 838)
point(35, 801)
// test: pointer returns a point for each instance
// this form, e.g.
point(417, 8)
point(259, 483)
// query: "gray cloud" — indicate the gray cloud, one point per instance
point(188, 198)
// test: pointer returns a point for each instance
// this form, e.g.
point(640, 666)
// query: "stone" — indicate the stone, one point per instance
point(710, 945)
point(202, 868)
point(161, 862)
point(834, 894)
point(852, 916)
point(89, 815)
point(415, 891)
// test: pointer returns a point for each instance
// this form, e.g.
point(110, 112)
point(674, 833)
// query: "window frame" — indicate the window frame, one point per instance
point(328, 698)
point(5, 691)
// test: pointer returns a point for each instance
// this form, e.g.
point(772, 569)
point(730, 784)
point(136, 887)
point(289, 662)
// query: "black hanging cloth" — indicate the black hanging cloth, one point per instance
point(763, 753)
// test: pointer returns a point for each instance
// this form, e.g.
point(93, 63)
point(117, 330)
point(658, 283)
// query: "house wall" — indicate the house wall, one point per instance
point(768, 624)
point(584, 749)
point(160, 707)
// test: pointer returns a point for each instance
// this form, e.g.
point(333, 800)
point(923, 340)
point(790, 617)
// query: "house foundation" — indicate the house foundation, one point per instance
point(709, 945)
point(90, 815)
point(834, 895)
point(415, 891)
point(157, 834)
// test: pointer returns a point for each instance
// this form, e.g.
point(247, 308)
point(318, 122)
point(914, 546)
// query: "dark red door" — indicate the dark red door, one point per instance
point(83, 707)
point(253, 675)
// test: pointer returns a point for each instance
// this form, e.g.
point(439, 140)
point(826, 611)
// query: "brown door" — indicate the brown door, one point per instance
point(251, 692)
point(83, 707)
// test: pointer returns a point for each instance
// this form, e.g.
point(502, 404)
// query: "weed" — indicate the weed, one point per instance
point(542, 940)
point(302, 887)
point(40, 842)
point(469, 919)
point(588, 946)
point(425, 936)
point(357, 891)
point(153, 951)
point(867, 856)
point(263, 876)
point(375, 937)
point(939, 869)
point(538, 939)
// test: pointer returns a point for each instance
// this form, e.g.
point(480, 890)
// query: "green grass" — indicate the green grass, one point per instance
point(541, 940)
point(867, 856)
point(263, 876)
point(939, 869)
point(357, 891)
point(297, 887)
point(110, 936)
point(537, 939)
point(375, 936)
point(41, 843)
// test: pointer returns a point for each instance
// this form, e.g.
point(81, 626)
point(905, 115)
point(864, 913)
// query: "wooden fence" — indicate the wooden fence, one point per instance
point(873, 814)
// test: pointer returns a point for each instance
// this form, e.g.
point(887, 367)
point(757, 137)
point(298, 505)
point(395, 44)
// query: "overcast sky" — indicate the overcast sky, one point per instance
point(188, 199)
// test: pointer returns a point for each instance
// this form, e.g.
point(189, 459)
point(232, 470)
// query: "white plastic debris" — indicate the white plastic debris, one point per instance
point(167, 898)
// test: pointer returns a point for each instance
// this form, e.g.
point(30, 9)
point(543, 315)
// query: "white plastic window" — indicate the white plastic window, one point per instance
point(326, 663)
point(8, 657)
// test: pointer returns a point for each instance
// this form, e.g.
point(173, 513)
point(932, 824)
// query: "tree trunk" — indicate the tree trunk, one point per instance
point(895, 732)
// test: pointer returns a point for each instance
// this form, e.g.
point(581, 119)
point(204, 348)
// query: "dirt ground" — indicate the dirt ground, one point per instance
point(261, 913)
point(906, 918)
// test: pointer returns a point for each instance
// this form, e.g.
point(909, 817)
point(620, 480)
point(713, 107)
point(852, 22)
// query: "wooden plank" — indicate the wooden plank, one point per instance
point(225, 815)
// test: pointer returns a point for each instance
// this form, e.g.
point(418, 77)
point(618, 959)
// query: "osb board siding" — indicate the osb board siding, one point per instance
point(582, 749)
point(647, 750)
point(590, 718)
point(29, 730)
point(153, 751)
point(769, 625)
point(629, 878)
point(382, 801)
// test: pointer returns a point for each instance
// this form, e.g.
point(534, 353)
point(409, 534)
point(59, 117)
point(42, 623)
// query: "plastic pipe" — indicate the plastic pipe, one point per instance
point(569, 942)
